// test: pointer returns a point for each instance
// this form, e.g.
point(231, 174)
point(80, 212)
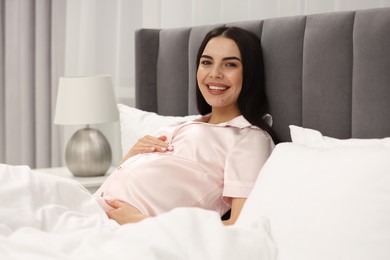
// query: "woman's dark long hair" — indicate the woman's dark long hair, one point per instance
point(252, 101)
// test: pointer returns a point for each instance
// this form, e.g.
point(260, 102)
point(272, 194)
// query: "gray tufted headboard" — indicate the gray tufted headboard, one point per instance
point(330, 71)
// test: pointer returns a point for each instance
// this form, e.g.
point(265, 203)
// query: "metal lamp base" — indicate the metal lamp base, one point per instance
point(88, 153)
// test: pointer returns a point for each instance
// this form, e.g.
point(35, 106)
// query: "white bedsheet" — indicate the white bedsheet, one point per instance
point(48, 217)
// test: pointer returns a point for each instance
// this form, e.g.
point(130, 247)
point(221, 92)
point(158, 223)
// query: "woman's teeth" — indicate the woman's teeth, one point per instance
point(217, 88)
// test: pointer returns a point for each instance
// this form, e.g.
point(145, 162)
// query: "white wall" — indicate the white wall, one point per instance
point(176, 13)
point(100, 33)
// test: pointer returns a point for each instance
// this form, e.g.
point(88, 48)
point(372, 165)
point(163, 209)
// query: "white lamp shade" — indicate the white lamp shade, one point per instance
point(85, 100)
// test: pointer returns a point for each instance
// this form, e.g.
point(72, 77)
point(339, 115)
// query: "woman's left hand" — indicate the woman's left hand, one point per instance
point(148, 144)
point(124, 213)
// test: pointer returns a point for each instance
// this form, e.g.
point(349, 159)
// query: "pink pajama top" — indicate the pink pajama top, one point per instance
point(210, 165)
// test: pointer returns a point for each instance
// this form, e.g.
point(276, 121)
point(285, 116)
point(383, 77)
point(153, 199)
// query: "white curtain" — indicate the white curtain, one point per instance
point(31, 59)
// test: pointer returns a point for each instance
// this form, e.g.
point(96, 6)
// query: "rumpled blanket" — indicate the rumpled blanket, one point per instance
point(49, 217)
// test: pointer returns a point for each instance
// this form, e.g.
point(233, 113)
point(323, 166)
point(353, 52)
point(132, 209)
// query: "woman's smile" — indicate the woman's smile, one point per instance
point(216, 88)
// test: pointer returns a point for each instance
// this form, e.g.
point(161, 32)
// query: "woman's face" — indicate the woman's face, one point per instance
point(220, 73)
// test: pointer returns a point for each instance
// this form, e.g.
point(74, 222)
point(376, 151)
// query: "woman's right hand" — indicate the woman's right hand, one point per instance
point(124, 213)
point(148, 144)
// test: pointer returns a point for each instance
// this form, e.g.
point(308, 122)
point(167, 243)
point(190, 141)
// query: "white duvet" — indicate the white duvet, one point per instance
point(48, 217)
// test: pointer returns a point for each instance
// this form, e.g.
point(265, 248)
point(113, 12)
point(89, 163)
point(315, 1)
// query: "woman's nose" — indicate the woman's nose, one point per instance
point(216, 72)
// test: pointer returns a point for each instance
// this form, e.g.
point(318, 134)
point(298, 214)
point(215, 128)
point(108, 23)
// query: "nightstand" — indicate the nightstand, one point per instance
point(91, 183)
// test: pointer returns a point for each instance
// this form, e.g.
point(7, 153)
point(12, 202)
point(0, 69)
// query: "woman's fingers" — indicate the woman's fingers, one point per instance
point(149, 144)
point(114, 203)
point(162, 138)
point(155, 144)
point(123, 213)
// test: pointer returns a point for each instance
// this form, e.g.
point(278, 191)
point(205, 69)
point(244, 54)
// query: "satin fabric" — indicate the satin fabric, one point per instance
point(210, 164)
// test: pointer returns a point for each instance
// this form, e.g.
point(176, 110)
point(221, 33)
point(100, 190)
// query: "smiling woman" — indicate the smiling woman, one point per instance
point(208, 162)
point(238, 57)
point(220, 78)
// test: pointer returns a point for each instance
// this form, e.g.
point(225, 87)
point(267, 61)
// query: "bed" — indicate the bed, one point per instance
point(323, 194)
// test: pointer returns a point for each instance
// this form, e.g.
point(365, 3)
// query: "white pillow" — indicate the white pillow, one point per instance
point(325, 198)
point(314, 138)
point(136, 123)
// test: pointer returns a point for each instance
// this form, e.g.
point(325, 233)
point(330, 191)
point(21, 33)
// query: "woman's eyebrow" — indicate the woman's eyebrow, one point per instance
point(226, 58)
point(231, 58)
point(207, 57)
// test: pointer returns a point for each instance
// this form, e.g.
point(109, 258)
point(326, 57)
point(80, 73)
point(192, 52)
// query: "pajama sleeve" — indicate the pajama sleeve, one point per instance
point(244, 163)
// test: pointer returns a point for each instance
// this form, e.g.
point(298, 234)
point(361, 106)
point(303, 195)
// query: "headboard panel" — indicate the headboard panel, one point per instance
point(371, 80)
point(324, 71)
point(172, 70)
point(327, 73)
point(282, 42)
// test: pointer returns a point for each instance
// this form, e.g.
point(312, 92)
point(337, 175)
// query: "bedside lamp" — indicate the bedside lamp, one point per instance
point(85, 101)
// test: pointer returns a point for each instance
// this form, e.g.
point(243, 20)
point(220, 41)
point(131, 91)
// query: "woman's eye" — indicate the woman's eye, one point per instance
point(205, 62)
point(231, 65)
